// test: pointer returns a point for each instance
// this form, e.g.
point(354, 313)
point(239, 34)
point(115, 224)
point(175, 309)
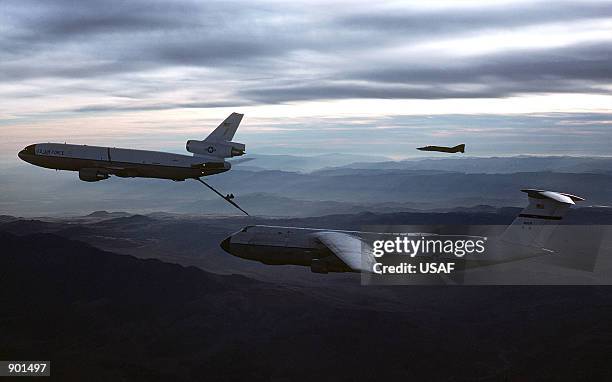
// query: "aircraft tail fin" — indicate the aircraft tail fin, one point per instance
point(226, 130)
point(536, 223)
point(218, 145)
point(460, 148)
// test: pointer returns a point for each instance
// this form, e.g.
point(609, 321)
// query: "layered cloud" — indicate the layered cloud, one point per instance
point(277, 52)
point(69, 59)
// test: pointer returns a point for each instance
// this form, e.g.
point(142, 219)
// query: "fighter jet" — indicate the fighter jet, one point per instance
point(443, 149)
point(326, 250)
point(95, 163)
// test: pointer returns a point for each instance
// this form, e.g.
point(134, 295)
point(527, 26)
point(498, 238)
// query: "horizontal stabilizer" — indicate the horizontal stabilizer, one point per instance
point(560, 197)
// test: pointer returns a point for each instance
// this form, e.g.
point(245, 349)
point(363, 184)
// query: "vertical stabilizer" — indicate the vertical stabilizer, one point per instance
point(218, 145)
point(536, 223)
point(226, 130)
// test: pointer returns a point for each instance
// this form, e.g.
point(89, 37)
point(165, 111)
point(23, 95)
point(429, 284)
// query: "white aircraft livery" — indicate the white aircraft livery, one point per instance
point(326, 250)
point(95, 163)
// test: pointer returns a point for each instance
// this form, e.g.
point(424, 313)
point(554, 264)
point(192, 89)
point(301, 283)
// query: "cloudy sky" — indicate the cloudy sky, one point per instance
point(505, 77)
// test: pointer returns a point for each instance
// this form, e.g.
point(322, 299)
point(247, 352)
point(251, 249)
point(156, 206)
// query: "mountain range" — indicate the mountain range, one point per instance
point(380, 187)
point(101, 316)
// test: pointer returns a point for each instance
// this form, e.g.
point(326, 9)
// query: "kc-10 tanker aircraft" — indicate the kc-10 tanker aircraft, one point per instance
point(95, 163)
point(325, 250)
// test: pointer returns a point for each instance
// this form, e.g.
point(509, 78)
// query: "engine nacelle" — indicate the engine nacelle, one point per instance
point(92, 174)
point(217, 149)
point(318, 266)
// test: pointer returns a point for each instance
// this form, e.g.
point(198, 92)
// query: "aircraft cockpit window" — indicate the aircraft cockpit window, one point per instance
point(29, 149)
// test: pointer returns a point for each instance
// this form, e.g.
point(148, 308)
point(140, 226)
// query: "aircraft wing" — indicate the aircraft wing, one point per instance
point(348, 248)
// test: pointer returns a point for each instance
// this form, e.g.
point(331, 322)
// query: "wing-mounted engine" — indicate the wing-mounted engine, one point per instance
point(216, 149)
point(92, 174)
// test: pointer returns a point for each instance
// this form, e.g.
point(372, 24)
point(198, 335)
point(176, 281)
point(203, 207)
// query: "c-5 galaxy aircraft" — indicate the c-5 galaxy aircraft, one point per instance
point(443, 149)
point(95, 163)
point(326, 250)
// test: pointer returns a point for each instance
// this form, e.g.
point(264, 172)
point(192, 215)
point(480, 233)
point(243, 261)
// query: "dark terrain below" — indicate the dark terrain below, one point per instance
point(98, 315)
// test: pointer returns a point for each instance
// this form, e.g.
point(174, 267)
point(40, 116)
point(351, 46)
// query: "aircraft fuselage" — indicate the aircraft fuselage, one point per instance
point(444, 149)
point(276, 245)
point(120, 162)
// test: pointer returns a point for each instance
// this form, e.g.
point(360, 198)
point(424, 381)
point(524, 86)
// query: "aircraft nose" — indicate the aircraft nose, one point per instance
point(23, 155)
point(27, 152)
point(225, 244)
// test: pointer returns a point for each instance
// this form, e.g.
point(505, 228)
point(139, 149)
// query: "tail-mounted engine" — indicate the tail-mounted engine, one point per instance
point(217, 149)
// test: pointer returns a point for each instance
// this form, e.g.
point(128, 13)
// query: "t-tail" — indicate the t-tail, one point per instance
point(535, 224)
point(218, 145)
